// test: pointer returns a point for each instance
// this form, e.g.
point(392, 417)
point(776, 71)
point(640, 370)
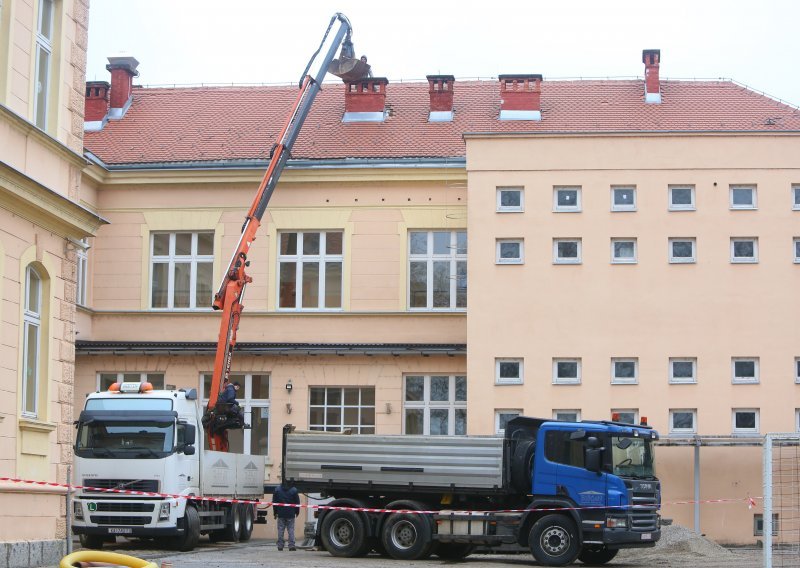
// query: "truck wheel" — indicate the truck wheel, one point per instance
point(191, 530)
point(596, 554)
point(344, 534)
point(554, 540)
point(247, 523)
point(407, 536)
point(454, 550)
point(234, 526)
point(93, 541)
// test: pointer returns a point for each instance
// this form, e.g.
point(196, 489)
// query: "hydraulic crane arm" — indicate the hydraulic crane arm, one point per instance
point(230, 293)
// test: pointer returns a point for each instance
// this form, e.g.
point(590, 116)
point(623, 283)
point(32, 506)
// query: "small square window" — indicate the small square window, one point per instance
point(508, 371)
point(625, 415)
point(567, 199)
point(682, 251)
point(623, 199)
point(566, 371)
point(502, 418)
point(796, 197)
point(796, 250)
point(509, 251)
point(744, 250)
point(744, 369)
point(570, 415)
point(623, 251)
point(566, 251)
point(510, 200)
point(797, 369)
point(682, 370)
point(758, 524)
point(624, 371)
point(681, 198)
point(683, 421)
point(743, 197)
point(745, 421)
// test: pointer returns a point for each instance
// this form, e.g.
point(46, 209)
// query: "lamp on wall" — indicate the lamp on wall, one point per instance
point(289, 386)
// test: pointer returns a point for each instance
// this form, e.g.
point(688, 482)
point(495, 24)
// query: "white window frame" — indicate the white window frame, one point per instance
point(623, 206)
point(144, 377)
point(170, 259)
point(681, 259)
point(622, 260)
point(753, 192)
point(797, 370)
point(426, 404)
point(44, 45)
point(736, 430)
point(82, 272)
point(356, 428)
point(567, 208)
point(796, 249)
point(32, 319)
point(248, 405)
point(796, 197)
point(745, 380)
point(569, 380)
point(673, 430)
point(454, 257)
point(567, 260)
point(673, 380)
point(575, 411)
point(504, 411)
point(509, 380)
point(797, 419)
point(624, 380)
point(681, 206)
point(634, 411)
point(510, 208)
point(510, 260)
point(744, 259)
point(299, 260)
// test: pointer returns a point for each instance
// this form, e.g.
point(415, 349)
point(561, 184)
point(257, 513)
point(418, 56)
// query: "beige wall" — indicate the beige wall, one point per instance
point(653, 310)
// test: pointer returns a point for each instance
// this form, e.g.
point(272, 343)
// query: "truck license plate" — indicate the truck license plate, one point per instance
point(647, 536)
point(120, 530)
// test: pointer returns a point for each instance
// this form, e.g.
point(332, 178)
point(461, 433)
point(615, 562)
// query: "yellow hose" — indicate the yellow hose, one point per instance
point(107, 557)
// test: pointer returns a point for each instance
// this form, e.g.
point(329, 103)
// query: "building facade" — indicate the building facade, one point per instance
point(467, 252)
point(43, 221)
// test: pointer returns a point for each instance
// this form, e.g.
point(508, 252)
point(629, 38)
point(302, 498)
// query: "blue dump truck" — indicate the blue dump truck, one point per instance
point(565, 490)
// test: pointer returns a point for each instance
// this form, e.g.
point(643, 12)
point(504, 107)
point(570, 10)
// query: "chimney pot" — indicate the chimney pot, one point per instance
point(440, 88)
point(520, 97)
point(365, 100)
point(652, 86)
point(123, 70)
point(95, 107)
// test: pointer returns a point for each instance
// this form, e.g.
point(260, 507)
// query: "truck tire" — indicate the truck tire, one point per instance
point(246, 523)
point(554, 540)
point(92, 541)
point(234, 527)
point(344, 534)
point(191, 530)
point(407, 536)
point(454, 550)
point(597, 554)
point(522, 465)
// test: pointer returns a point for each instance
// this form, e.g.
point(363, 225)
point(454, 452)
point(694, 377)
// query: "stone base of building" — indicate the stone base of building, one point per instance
point(28, 553)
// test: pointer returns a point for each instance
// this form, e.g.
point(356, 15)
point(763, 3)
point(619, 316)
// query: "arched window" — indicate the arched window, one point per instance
point(32, 325)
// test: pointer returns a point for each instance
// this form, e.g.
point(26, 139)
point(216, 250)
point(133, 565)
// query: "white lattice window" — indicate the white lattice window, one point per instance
point(335, 409)
point(44, 56)
point(31, 343)
point(253, 397)
point(437, 271)
point(310, 270)
point(181, 267)
point(435, 405)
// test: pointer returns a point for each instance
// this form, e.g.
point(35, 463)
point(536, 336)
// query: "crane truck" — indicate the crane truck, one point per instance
point(133, 438)
point(563, 490)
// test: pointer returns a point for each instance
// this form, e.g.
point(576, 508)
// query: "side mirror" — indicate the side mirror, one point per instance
point(577, 435)
point(188, 450)
point(594, 461)
point(189, 434)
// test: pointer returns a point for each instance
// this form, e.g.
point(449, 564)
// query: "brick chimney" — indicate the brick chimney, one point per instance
point(123, 70)
point(440, 88)
point(365, 100)
point(520, 97)
point(652, 87)
point(95, 110)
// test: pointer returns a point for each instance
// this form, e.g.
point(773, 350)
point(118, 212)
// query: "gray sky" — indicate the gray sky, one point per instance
point(251, 41)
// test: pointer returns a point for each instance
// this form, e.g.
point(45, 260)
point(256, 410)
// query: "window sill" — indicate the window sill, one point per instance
point(33, 425)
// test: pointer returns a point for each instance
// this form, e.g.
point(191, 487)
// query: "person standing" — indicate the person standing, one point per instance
point(286, 493)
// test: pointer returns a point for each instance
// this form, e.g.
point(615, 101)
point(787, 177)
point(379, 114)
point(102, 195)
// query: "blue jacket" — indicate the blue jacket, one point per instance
point(286, 494)
point(228, 394)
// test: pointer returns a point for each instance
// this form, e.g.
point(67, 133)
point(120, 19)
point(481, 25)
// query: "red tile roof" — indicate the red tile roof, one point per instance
point(242, 123)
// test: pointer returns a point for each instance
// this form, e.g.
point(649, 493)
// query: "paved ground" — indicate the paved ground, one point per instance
point(261, 553)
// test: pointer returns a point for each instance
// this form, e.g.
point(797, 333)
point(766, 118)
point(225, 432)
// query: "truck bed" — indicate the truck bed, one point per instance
point(324, 460)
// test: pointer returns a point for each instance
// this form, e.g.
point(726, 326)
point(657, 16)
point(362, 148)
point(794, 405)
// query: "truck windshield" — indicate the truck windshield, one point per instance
point(125, 439)
point(632, 457)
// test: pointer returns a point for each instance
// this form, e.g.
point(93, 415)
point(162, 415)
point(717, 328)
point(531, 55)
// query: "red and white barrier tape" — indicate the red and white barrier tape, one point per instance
point(751, 501)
